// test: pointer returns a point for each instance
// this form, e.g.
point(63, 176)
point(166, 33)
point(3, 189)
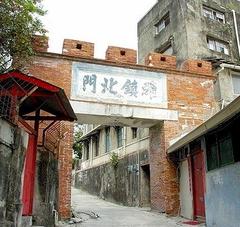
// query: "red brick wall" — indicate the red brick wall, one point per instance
point(40, 43)
point(161, 61)
point(65, 171)
point(58, 72)
point(76, 48)
point(192, 96)
point(163, 177)
point(197, 66)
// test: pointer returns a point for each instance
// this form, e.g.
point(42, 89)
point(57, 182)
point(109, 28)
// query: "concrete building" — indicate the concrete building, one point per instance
point(191, 29)
point(208, 162)
point(206, 30)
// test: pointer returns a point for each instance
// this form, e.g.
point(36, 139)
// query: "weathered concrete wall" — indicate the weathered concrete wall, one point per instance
point(186, 199)
point(197, 35)
point(225, 83)
point(13, 145)
point(193, 97)
point(6, 136)
point(119, 184)
point(174, 33)
point(187, 39)
point(222, 196)
point(57, 71)
point(46, 189)
point(129, 145)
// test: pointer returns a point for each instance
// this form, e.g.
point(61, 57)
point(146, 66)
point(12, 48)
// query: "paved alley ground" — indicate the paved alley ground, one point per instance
point(97, 212)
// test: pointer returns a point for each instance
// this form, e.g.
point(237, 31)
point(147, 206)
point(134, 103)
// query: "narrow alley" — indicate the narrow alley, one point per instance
point(91, 211)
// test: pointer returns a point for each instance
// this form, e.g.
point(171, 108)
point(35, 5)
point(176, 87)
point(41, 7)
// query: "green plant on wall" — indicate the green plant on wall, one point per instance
point(114, 159)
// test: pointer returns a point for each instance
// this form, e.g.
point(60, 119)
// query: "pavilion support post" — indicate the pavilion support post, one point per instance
point(30, 169)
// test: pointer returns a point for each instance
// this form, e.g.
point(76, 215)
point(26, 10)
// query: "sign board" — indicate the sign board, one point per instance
point(118, 85)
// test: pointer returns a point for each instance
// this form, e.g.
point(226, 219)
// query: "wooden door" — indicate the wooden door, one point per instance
point(198, 175)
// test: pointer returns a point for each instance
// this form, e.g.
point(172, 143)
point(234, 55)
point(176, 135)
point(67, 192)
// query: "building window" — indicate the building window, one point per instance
point(219, 150)
point(163, 23)
point(107, 139)
point(225, 148)
point(218, 46)
point(87, 149)
point(134, 133)
point(213, 14)
point(119, 131)
point(236, 83)
point(96, 144)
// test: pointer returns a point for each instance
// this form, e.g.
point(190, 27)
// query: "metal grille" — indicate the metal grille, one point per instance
point(8, 105)
point(53, 132)
point(12, 93)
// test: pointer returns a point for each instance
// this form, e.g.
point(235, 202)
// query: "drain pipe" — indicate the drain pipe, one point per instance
point(236, 31)
point(229, 66)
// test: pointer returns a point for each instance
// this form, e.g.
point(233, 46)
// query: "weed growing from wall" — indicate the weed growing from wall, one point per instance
point(114, 159)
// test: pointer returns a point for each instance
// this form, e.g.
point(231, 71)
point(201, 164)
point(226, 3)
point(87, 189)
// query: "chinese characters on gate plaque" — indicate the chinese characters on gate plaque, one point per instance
point(112, 86)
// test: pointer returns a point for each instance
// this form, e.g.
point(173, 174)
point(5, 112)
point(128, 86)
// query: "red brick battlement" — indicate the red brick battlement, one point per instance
point(161, 61)
point(121, 55)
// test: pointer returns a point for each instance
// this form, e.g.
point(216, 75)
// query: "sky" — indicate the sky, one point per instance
point(102, 22)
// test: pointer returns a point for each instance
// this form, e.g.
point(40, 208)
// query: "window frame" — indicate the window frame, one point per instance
point(134, 132)
point(213, 14)
point(119, 132)
point(235, 75)
point(87, 148)
point(107, 139)
point(216, 45)
point(216, 139)
point(162, 23)
point(96, 144)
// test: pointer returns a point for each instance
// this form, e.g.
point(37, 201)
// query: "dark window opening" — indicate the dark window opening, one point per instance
point(220, 149)
point(107, 139)
point(119, 131)
point(225, 148)
point(96, 144)
point(212, 153)
point(134, 133)
point(87, 149)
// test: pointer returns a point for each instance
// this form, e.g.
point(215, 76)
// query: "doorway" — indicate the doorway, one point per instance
point(198, 178)
point(145, 186)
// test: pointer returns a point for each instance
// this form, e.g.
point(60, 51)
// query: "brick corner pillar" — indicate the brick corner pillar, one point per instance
point(65, 171)
point(164, 185)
